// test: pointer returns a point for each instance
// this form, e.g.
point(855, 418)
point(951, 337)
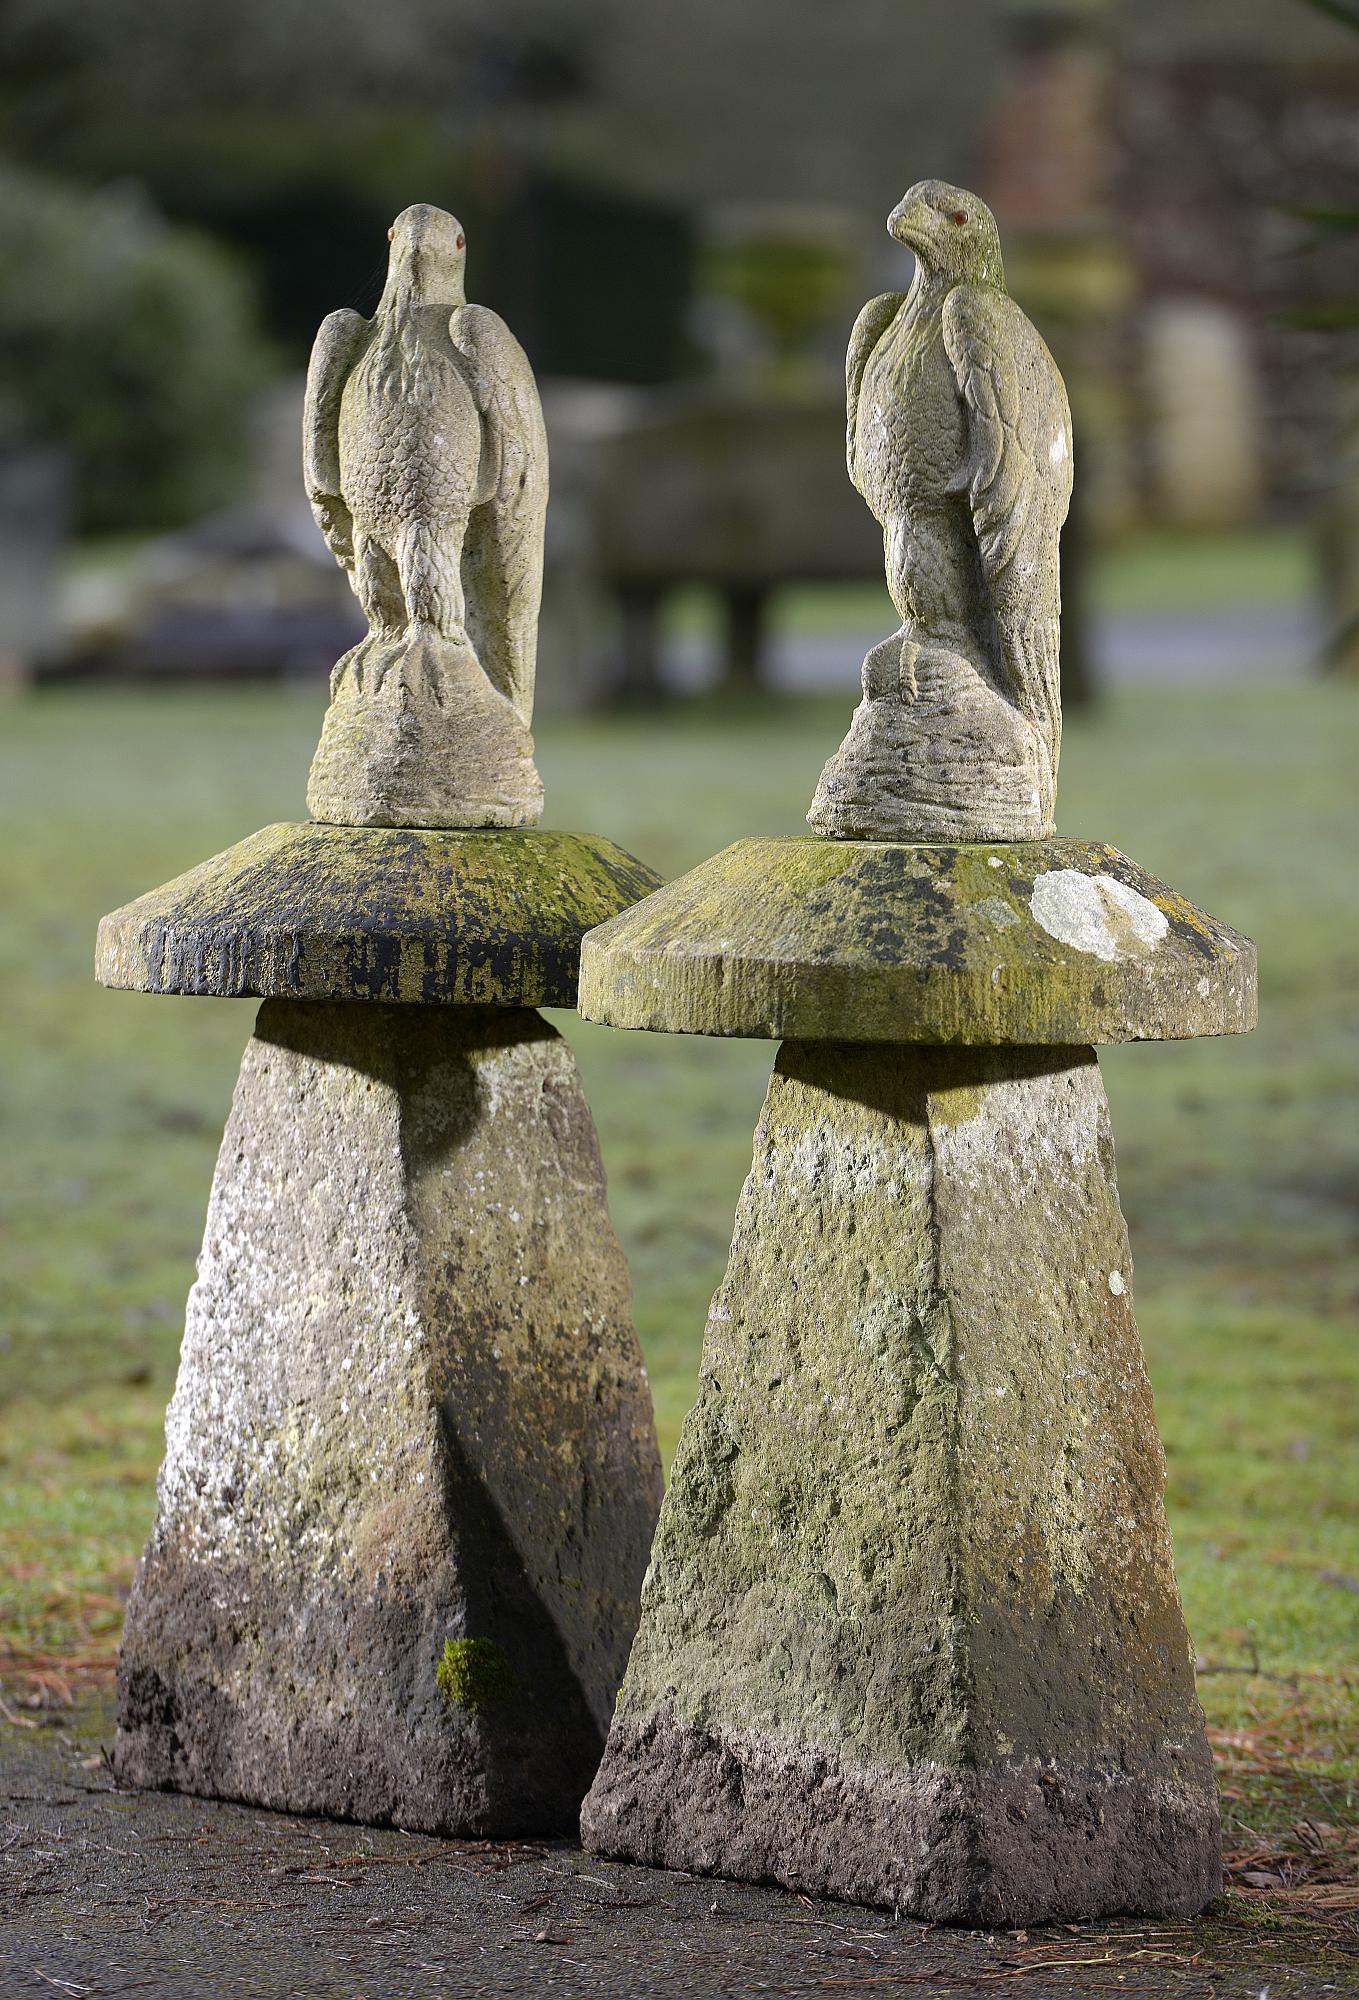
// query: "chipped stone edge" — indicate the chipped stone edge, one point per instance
point(1003, 1845)
point(635, 976)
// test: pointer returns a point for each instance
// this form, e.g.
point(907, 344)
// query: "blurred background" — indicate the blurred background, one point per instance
point(679, 210)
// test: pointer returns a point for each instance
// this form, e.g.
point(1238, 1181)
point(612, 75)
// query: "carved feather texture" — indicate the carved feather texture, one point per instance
point(340, 341)
point(1018, 474)
point(869, 328)
point(502, 561)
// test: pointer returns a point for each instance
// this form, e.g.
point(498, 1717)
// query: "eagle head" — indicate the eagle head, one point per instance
point(427, 257)
point(952, 233)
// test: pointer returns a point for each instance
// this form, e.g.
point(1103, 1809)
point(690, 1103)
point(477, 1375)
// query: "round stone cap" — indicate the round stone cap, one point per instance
point(1064, 942)
point(491, 917)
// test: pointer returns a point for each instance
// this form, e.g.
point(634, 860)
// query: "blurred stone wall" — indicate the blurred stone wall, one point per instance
point(1213, 155)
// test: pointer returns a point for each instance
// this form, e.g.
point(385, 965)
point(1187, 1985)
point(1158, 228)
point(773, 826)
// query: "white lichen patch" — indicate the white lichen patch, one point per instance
point(1116, 1284)
point(1097, 914)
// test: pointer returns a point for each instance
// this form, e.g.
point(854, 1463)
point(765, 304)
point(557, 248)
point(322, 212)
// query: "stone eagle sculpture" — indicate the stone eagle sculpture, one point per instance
point(425, 461)
point(959, 439)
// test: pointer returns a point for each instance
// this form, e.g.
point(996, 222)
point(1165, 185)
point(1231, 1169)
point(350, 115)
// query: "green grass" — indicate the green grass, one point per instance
point(1239, 1160)
point(1147, 572)
point(1206, 572)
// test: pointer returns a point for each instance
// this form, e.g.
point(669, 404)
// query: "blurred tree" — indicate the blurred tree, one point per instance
point(1338, 515)
point(572, 137)
point(133, 344)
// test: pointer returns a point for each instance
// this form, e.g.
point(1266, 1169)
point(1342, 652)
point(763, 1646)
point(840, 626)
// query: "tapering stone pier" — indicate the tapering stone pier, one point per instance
point(411, 1471)
point(911, 1634)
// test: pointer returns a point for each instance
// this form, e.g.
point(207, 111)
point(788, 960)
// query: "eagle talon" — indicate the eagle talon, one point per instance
point(881, 672)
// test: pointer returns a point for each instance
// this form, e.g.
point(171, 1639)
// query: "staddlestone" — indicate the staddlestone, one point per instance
point(910, 1634)
point(411, 1472)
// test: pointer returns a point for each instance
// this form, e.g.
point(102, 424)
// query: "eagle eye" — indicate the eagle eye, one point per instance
point(461, 240)
point(391, 234)
point(960, 216)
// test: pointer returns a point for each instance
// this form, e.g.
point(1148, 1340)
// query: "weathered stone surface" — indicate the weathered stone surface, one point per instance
point(935, 752)
point(390, 756)
point(910, 1633)
point(1043, 942)
point(411, 1471)
point(959, 439)
point(425, 460)
point(309, 912)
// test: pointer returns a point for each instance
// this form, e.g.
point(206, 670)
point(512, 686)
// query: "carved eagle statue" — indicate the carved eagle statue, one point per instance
point(425, 462)
point(425, 457)
point(959, 439)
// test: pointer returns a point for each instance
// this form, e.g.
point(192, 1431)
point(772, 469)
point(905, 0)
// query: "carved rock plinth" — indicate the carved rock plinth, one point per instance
point(935, 754)
point(911, 1634)
point(415, 735)
point(411, 1472)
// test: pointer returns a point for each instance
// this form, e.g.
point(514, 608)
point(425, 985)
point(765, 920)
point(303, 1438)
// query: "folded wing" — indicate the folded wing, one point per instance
point(341, 340)
point(869, 329)
point(1018, 485)
point(502, 563)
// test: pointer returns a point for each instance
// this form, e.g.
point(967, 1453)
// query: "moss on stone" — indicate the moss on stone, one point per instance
point(1049, 942)
point(474, 1674)
point(410, 1403)
point(311, 912)
point(910, 1632)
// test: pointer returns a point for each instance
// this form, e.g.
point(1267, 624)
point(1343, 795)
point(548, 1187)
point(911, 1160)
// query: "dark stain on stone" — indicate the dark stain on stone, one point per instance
point(336, 913)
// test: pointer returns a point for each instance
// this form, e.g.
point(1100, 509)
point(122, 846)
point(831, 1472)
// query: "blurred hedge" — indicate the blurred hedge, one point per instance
point(133, 343)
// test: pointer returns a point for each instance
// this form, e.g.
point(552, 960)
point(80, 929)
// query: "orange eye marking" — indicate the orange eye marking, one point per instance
point(391, 233)
point(959, 216)
point(461, 240)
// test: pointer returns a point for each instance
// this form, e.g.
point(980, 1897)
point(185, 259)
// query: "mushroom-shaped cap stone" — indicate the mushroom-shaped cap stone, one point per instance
point(1062, 942)
point(313, 912)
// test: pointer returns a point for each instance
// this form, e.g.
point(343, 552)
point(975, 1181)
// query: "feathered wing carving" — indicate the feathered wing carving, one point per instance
point(1018, 484)
point(341, 340)
point(502, 560)
point(869, 328)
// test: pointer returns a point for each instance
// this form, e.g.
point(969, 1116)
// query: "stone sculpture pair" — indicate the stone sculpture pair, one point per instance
point(910, 1631)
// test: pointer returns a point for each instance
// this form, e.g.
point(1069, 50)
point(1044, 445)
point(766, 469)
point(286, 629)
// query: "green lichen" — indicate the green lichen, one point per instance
point(307, 911)
point(474, 1674)
point(832, 940)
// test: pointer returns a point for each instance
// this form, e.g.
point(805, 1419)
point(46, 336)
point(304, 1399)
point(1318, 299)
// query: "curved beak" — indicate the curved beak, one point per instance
point(909, 223)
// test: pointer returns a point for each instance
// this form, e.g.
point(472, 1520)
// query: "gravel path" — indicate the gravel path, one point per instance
point(110, 1892)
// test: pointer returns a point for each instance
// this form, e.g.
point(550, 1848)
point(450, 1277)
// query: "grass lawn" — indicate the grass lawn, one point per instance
point(1239, 1160)
point(1145, 572)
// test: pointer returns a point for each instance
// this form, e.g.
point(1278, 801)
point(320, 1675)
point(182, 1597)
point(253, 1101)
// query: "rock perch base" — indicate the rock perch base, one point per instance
point(911, 1634)
point(411, 1473)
